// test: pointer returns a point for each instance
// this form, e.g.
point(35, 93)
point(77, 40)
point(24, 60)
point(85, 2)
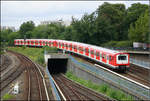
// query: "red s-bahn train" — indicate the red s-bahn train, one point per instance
point(113, 59)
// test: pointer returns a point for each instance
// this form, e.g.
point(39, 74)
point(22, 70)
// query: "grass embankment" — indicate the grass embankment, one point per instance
point(103, 88)
point(35, 54)
point(7, 96)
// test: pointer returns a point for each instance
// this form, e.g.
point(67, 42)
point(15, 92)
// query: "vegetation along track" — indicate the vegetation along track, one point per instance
point(74, 91)
point(35, 87)
point(5, 62)
point(135, 72)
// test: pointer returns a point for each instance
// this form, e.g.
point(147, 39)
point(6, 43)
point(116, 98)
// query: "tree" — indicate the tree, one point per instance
point(110, 21)
point(133, 13)
point(83, 29)
point(12, 36)
point(139, 32)
point(40, 32)
point(4, 34)
point(25, 28)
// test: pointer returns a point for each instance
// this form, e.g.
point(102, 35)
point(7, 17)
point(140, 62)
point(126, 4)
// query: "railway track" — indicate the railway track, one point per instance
point(139, 71)
point(5, 62)
point(10, 75)
point(74, 91)
point(35, 87)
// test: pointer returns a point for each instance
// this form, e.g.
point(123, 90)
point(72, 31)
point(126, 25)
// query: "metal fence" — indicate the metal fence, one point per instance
point(129, 48)
point(140, 63)
point(126, 84)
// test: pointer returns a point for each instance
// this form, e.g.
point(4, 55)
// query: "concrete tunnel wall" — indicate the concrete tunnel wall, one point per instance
point(57, 65)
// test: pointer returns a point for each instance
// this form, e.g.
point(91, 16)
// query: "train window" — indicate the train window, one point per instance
point(100, 54)
point(71, 46)
point(83, 49)
point(77, 48)
point(56, 44)
point(110, 58)
point(122, 57)
point(92, 51)
point(97, 53)
point(87, 51)
point(80, 49)
point(104, 56)
point(107, 57)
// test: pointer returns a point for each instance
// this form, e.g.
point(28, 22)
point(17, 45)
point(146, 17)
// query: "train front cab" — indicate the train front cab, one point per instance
point(122, 61)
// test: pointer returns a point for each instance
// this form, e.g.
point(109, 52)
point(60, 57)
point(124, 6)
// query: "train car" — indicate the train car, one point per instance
point(113, 59)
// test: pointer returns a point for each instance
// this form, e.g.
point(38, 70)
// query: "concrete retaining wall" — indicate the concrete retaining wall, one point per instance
point(87, 75)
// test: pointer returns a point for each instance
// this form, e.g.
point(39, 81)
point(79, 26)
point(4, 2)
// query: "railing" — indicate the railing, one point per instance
point(140, 63)
point(53, 85)
point(124, 83)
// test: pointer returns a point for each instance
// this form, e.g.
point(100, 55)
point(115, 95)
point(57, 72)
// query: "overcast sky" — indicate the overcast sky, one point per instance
point(14, 13)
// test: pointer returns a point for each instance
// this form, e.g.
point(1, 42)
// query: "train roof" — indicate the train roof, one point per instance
point(80, 44)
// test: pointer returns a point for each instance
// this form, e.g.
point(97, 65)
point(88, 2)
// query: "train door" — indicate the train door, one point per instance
point(18, 42)
point(43, 43)
point(92, 53)
point(62, 45)
point(80, 50)
point(59, 45)
point(40, 43)
point(97, 55)
point(28, 42)
point(70, 46)
point(66, 46)
point(49, 43)
point(104, 57)
point(107, 58)
point(87, 51)
point(75, 48)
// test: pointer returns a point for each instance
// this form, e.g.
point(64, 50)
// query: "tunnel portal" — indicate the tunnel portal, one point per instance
point(57, 65)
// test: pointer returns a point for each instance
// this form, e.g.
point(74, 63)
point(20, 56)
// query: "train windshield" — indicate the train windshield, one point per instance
point(122, 58)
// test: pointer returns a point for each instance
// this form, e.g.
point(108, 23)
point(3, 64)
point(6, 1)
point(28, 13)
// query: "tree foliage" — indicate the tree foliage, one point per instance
point(140, 31)
point(26, 28)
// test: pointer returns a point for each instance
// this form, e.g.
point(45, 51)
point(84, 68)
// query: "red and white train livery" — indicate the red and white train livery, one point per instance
point(111, 58)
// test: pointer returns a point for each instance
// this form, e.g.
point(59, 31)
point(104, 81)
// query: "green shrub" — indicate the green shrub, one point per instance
point(40, 59)
point(7, 96)
point(104, 88)
point(118, 44)
point(112, 94)
point(50, 49)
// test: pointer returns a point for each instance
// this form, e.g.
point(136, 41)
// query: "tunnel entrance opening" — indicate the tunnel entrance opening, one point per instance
point(57, 65)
